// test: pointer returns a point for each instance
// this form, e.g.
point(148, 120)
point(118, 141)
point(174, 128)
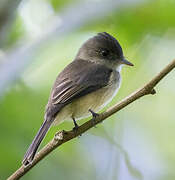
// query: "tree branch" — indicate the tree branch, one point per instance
point(65, 136)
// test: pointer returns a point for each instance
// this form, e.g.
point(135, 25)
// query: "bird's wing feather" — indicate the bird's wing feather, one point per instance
point(76, 80)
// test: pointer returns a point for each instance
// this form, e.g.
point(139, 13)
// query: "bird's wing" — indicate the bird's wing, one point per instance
point(77, 79)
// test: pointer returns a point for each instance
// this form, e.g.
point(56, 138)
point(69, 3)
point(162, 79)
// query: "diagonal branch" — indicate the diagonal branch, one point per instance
point(65, 136)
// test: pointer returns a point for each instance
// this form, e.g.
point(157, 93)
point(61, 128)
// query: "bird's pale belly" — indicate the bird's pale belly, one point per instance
point(95, 101)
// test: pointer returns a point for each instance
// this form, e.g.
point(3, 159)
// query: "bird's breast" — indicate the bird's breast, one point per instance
point(95, 101)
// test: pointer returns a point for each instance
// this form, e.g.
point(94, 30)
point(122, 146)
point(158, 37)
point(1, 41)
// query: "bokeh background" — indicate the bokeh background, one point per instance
point(38, 38)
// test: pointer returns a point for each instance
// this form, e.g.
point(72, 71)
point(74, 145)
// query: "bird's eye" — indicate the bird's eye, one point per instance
point(104, 52)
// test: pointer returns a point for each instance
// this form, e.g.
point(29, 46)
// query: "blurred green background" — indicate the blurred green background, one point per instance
point(136, 143)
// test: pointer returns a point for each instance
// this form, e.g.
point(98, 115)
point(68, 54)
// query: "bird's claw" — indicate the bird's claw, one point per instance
point(94, 116)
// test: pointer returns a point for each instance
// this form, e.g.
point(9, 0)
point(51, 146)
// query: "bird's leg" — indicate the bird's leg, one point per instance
point(94, 116)
point(75, 124)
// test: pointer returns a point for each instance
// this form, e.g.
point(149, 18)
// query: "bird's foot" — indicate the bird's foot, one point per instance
point(75, 125)
point(94, 116)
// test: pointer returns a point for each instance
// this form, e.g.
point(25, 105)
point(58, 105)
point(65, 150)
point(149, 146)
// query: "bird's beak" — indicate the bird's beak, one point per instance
point(124, 61)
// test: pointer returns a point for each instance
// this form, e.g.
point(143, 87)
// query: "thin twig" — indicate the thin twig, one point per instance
point(65, 136)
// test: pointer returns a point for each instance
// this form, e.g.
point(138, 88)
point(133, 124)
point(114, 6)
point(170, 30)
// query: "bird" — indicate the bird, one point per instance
point(84, 87)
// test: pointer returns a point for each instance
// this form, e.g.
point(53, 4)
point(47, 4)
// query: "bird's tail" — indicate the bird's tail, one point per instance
point(30, 154)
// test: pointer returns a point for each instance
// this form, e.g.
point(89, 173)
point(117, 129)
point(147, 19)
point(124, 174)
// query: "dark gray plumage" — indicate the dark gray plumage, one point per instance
point(78, 79)
point(89, 82)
